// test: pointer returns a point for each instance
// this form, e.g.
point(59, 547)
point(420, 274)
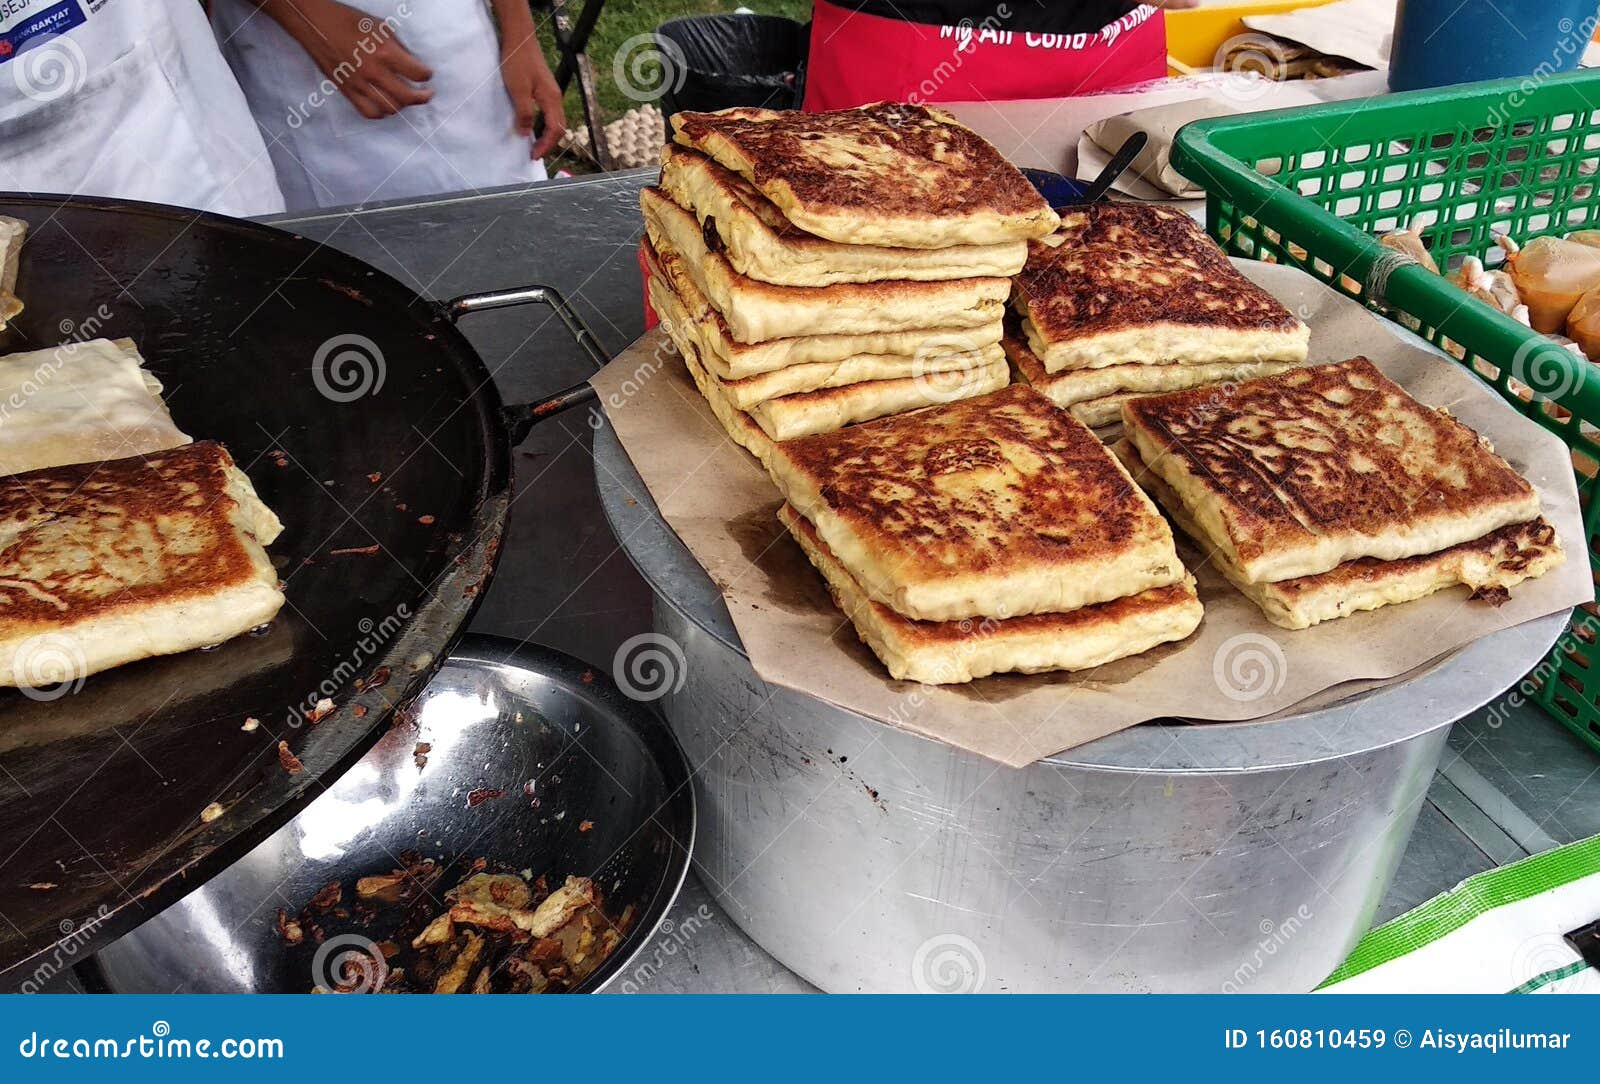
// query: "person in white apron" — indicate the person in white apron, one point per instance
point(392, 99)
point(128, 99)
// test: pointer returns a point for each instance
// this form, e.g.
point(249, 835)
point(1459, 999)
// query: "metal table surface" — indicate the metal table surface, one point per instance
point(1513, 783)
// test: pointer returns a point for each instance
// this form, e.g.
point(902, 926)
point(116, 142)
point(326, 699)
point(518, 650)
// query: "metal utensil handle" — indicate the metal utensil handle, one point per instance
point(1115, 168)
point(522, 417)
point(458, 307)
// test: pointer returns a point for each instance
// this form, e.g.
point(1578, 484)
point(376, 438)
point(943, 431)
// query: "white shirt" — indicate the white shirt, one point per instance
point(327, 154)
point(130, 100)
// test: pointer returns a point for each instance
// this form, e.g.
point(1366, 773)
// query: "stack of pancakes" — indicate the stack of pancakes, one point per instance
point(982, 536)
point(122, 539)
point(820, 269)
point(1127, 300)
point(1328, 490)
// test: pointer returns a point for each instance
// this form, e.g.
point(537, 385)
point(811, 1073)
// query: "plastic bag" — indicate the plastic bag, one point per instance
point(720, 61)
point(1409, 242)
point(1491, 287)
point(1583, 324)
point(1551, 274)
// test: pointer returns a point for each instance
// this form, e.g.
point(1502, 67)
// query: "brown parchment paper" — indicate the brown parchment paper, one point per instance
point(1236, 666)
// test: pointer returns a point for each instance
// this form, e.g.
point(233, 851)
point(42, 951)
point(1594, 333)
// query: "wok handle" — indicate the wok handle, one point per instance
point(522, 417)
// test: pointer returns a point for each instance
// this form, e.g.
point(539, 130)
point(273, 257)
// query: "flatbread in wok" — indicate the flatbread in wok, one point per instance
point(103, 564)
point(78, 403)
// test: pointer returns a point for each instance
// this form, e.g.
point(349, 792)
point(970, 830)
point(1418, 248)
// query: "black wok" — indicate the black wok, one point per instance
point(365, 419)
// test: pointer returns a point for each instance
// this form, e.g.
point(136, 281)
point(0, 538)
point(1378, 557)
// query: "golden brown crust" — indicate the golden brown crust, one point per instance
point(1506, 552)
point(997, 505)
point(1116, 266)
point(883, 167)
point(917, 634)
point(84, 540)
point(1329, 462)
point(757, 311)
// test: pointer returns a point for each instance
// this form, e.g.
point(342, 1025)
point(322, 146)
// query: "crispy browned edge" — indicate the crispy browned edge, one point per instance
point(936, 293)
point(143, 489)
point(1192, 425)
point(1067, 291)
point(907, 526)
point(775, 147)
point(935, 633)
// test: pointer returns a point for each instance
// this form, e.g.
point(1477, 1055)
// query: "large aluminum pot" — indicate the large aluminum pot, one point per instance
point(1207, 857)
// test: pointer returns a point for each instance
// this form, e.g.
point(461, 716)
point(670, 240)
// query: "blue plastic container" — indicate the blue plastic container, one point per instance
point(1440, 42)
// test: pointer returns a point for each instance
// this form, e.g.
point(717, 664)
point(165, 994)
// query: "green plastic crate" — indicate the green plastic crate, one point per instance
point(1315, 187)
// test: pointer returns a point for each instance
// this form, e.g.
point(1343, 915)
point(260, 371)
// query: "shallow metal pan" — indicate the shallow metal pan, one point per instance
point(561, 744)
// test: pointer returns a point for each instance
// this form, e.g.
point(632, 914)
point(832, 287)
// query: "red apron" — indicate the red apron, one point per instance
point(858, 58)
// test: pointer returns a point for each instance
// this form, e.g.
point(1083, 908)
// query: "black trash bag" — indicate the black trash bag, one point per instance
point(719, 61)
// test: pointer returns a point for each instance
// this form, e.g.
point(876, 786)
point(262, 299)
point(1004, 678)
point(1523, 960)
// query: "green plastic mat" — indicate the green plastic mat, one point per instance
point(1473, 897)
point(1316, 187)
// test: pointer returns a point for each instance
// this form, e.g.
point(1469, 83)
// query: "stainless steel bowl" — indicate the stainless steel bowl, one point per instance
point(558, 740)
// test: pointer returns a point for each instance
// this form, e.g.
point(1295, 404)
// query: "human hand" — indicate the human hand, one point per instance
point(359, 54)
point(531, 86)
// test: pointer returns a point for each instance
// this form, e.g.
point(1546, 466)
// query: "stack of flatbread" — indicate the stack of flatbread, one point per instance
point(1329, 490)
point(1127, 300)
point(821, 269)
point(121, 538)
point(982, 536)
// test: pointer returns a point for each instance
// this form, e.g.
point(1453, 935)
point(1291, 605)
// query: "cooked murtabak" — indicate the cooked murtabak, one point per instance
point(1294, 474)
point(884, 174)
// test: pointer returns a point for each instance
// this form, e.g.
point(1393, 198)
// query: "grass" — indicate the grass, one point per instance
point(624, 24)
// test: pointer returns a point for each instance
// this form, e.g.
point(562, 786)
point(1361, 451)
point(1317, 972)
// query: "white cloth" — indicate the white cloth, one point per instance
point(328, 155)
point(1502, 948)
point(131, 100)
